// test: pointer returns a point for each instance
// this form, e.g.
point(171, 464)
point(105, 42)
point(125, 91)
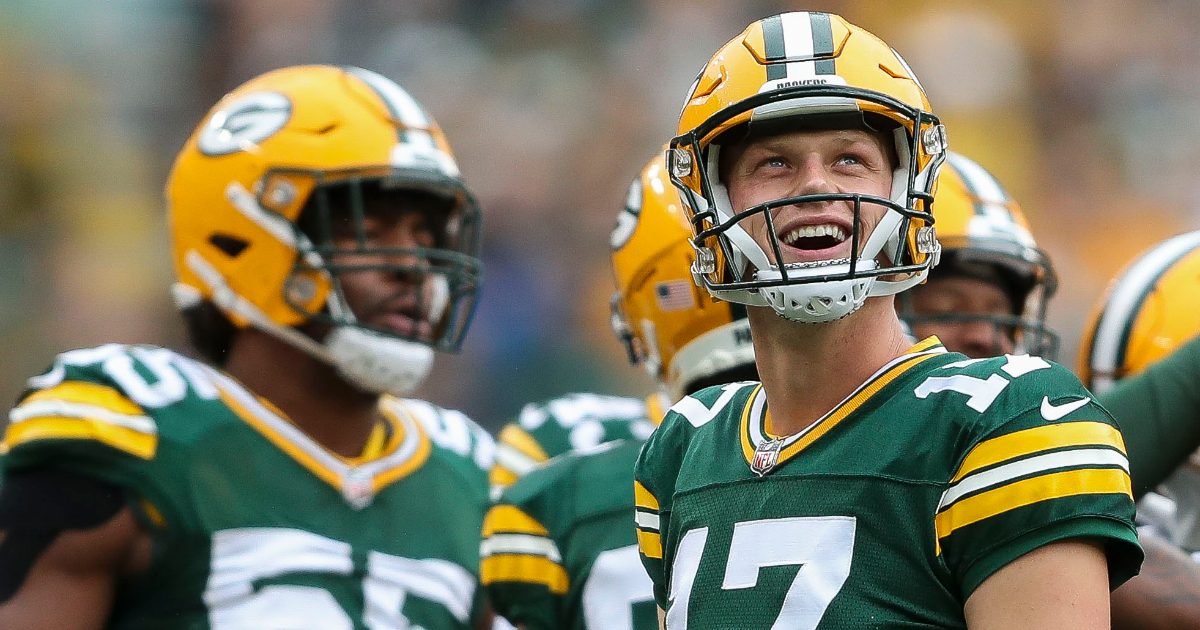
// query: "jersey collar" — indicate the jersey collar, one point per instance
point(358, 479)
point(764, 451)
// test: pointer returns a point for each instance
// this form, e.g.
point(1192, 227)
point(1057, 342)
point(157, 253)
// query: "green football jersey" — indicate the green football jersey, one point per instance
point(1157, 410)
point(254, 524)
point(888, 511)
point(558, 549)
point(568, 423)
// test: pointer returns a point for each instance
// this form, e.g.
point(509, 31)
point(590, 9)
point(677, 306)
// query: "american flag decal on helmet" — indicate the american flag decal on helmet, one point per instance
point(674, 295)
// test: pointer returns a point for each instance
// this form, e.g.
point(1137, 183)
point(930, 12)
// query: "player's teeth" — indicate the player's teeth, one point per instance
point(812, 231)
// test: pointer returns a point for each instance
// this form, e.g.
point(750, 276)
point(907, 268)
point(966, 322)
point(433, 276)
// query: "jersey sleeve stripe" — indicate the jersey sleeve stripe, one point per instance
point(121, 438)
point(93, 394)
point(63, 409)
point(1030, 441)
point(512, 459)
point(510, 519)
point(524, 443)
point(646, 520)
point(650, 544)
point(642, 497)
point(527, 569)
point(1028, 491)
point(522, 544)
point(1078, 458)
point(501, 478)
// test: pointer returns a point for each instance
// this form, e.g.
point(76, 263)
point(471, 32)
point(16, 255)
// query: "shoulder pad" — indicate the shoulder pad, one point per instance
point(107, 395)
point(450, 430)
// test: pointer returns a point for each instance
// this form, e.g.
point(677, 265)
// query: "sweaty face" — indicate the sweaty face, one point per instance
point(385, 277)
point(972, 300)
point(807, 163)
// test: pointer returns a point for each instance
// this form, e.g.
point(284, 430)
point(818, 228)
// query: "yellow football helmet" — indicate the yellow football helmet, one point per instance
point(983, 232)
point(251, 223)
point(799, 70)
point(682, 337)
point(1148, 311)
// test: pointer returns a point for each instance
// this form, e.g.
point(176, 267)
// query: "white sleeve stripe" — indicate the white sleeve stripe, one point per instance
point(646, 520)
point(61, 408)
point(1040, 464)
point(514, 460)
point(525, 544)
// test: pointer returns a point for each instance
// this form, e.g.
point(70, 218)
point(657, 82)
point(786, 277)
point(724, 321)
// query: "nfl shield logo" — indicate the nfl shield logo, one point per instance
point(357, 490)
point(765, 457)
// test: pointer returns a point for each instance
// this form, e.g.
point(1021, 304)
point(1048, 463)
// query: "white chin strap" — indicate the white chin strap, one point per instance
point(378, 363)
point(818, 302)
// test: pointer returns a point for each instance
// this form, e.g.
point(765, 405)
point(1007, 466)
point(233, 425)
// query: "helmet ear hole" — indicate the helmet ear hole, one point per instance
point(231, 246)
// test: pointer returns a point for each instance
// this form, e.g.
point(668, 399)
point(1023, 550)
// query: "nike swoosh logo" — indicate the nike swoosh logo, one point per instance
point(1054, 412)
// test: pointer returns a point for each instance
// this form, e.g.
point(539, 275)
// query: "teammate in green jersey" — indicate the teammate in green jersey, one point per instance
point(1141, 355)
point(325, 246)
point(863, 482)
point(987, 296)
point(558, 551)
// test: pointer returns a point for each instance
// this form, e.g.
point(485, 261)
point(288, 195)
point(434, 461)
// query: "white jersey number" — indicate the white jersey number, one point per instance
point(981, 393)
point(615, 584)
point(821, 546)
point(240, 557)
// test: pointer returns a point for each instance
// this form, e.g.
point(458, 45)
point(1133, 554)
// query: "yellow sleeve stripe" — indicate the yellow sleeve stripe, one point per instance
point(510, 458)
point(62, 409)
point(642, 497)
point(92, 394)
point(131, 441)
point(1030, 441)
point(521, 441)
point(650, 544)
point(527, 569)
point(508, 519)
point(1029, 491)
point(501, 477)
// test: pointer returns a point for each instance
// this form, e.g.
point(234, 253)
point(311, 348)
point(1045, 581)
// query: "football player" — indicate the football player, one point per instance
point(1141, 355)
point(988, 295)
point(325, 246)
point(864, 480)
point(558, 551)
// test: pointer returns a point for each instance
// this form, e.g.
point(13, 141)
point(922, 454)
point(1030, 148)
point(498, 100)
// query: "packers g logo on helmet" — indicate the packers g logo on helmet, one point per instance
point(1147, 312)
point(244, 123)
point(801, 68)
point(251, 216)
point(676, 333)
point(981, 227)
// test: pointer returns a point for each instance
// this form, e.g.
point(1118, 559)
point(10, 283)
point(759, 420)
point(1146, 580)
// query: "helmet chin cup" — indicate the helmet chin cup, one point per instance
point(821, 302)
point(378, 363)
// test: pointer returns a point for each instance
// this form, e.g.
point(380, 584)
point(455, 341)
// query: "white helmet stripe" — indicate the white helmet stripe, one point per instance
point(978, 181)
point(798, 44)
point(402, 106)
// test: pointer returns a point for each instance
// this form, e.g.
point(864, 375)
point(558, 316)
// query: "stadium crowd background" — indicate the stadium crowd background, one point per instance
point(1086, 111)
